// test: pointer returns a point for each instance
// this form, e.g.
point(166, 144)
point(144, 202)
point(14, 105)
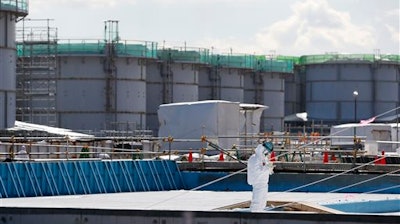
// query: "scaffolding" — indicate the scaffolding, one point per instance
point(36, 73)
point(167, 75)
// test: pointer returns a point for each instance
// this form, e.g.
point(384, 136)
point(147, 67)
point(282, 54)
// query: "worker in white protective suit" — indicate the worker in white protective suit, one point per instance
point(258, 170)
point(22, 154)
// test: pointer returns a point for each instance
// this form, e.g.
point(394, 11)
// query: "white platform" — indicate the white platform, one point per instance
point(180, 200)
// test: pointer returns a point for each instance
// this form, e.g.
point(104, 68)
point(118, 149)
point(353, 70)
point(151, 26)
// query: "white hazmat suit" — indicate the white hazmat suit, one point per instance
point(258, 170)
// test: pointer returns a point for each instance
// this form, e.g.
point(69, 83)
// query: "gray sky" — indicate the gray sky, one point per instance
point(285, 27)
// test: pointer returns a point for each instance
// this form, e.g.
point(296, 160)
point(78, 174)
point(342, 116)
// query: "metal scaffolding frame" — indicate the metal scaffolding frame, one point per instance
point(36, 72)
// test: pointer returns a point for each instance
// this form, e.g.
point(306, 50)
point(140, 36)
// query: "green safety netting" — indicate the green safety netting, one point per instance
point(69, 48)
point(258, 62)
point(200, 55)
point(139, 50)
point(29, 50)
point(294, 59)
point(313, 59)
point(81, 48)
point(19, 6)
point(146, 49)
point(236, 61)
point(279, 63)
point(275, 66)
point(391, 57)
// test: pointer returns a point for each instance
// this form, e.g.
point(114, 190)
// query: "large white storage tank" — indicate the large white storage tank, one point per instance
point(153, 93)
point(330, 81)
point(223, 79)
point(221, 83)
point(94, 94)
point(185, 82)
point(266, 85)
point(232, 84)
point(274, 98)
point(9, 12)
point(173, 79)
point(293, 91)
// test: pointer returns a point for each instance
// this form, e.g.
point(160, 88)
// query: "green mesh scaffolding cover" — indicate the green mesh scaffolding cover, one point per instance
point(138, 50)
point(235, 61)
point(199, 56)
point(275, 66)
point(81, 48)
point(147, 49)
point(314, 59)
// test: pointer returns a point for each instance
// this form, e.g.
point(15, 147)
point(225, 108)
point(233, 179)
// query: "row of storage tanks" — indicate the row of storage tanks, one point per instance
point(98, 84)
point(94, 90)
point(89, 96)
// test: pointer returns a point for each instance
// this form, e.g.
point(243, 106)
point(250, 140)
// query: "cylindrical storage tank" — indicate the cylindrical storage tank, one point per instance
point(267, 89)
point(131, 93)
point(205, 86)
point(294, 93)
point(329, 88)
point(274, 98)
point(223, 78)
point(185, 82)
point(81, 92)
point(221, 84)
point(169, 82)
point(9, 11)
point(265, 85)
point(7, 70)
point(154, 94)
point(89, 98)
point(386, 88)
point(231, 84)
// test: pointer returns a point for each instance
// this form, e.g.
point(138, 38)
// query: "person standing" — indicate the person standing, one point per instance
point(22, 154)
point(84, 152)
point(258, 170)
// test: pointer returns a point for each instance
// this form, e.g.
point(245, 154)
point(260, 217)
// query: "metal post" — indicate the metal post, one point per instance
point(355, 94)
point(170, 140)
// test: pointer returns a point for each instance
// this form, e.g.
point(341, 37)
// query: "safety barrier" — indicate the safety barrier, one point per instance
point(51, 178)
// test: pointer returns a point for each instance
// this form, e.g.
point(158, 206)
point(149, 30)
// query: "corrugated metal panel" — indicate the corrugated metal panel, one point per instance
point(30, 179)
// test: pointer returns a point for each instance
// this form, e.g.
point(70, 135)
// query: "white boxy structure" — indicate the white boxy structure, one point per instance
point(343, 135)
point(220, 121)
